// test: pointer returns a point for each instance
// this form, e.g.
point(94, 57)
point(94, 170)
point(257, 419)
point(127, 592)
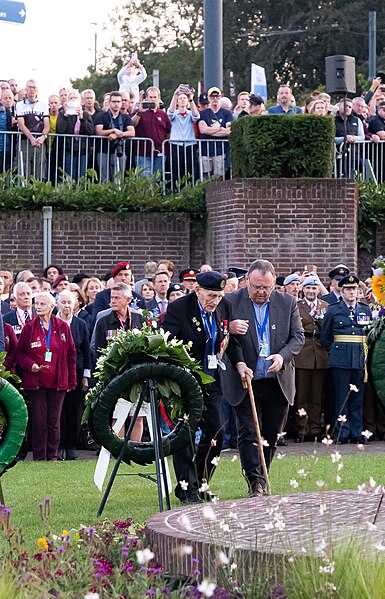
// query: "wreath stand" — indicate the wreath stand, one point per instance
point(160, 464)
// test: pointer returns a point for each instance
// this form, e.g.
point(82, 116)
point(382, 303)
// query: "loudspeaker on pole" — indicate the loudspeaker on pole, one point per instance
point(340, 73)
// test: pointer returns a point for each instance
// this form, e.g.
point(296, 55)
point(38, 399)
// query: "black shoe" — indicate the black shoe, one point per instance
point(342, 441)
point(70, 454)
point(256, 489)
point(190, 498)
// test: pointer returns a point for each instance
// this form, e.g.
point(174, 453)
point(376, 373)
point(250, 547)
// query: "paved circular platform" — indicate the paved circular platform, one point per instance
point(247, 529)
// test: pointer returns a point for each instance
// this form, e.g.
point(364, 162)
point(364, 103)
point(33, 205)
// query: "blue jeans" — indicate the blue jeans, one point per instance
point(149, 165)
point(75, 165)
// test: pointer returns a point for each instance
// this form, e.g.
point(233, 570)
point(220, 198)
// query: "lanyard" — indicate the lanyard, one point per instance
point(47, 336)
point(211, 333)
point(261, 327)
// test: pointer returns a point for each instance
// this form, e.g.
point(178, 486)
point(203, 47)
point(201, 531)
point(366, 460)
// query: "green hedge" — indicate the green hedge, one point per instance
point(280, 146)
point(134, 194)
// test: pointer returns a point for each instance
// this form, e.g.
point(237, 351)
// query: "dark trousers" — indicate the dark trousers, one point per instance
point(71, 415)
point(309, 388)
point(272, 409)
point(212, 426)
point(46, 405)
point(348, 403)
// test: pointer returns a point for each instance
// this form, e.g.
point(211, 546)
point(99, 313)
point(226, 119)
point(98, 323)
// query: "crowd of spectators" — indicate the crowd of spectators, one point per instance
point(53, 331)
point(196, 129)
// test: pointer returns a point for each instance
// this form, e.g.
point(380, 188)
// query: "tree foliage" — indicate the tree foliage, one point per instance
point(289, 39)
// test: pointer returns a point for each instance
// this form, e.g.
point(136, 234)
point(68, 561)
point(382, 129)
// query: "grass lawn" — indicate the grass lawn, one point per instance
point(75, 498)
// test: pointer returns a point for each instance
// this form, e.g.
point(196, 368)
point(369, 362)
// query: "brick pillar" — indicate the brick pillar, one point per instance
point(292, 222)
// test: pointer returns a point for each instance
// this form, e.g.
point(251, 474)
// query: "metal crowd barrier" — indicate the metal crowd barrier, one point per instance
point(62, 157)
point(65, 157)
point(364, 158)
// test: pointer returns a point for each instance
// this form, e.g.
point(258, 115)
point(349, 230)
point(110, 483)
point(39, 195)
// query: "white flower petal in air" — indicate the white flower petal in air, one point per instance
point(186, 522)
point(338, 479)
point(144, 556)
point(342, 418)
point(293, 483)
point(327, 441)
point(371, 526)
point(280, 455)
point(353, 388)
point(269, 526)
point(336, 456)
point(361, 489)
point(204, 488)
point(209, 513)
point(183, 485)
point(367, 434)
point(280, 435)
point(320, 483)
point(340, 466)
point(234, 458)
point(302, 473)
point(223, 558)
point(207, 588)
point(233, 567)
point(215, 461)
point(265, 443)
point(213, 442)
point(301, 412)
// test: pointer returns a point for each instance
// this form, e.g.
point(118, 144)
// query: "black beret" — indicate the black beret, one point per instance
point(175, 287)
point(212, 280)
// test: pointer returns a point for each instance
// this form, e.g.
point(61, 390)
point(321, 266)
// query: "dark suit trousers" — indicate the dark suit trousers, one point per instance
point(272, 408)
point(212, 426)
point(71, 415)
point(351, 407)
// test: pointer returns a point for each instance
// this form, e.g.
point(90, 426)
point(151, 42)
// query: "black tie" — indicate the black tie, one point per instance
point(351, 310)
point(26, 316)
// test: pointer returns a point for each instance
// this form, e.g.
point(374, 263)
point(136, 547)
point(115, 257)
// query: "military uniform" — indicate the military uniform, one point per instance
point(310, 366)
point(343, 336)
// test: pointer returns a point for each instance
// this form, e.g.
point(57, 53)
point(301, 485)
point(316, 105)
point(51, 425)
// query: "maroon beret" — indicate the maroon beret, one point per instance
point(58, 280)
point(120, 266)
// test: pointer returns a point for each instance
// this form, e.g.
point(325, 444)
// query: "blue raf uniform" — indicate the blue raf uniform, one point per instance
point(343, 336)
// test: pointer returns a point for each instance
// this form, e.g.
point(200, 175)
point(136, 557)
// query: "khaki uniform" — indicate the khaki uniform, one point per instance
point(310, 365)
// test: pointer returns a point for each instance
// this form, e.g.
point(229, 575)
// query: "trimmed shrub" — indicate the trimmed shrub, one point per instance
point(280, 146)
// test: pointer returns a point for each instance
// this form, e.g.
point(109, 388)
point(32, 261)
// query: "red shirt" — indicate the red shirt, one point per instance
point(156, 126)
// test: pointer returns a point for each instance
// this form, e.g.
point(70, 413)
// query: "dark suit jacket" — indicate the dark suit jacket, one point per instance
point(102, 301)
point(330, 298)
point(110, 322)
point(11, 318)
point(286, 338)
point(152, 304)
point(183, 320)
point(80, 336)
point(5, 307)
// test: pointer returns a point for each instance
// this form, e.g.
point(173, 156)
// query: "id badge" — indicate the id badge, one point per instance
point(263, 350)
point(212, 362)
point(48, 356)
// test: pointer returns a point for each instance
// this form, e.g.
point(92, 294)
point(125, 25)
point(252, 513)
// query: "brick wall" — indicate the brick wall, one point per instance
point(93, 241)
point(292, 222)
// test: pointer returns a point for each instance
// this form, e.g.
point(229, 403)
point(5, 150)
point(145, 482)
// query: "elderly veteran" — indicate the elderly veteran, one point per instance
point(46, 355)
point(203, 317)
point(310, 364)
point(343, 336)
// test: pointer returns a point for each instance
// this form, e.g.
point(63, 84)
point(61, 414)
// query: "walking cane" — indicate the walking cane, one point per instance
point(247, 385)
